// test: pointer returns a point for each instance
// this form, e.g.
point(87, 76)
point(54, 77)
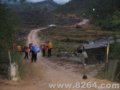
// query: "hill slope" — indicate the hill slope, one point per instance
point(48, 5)
point(103, 12)
point(33, 14)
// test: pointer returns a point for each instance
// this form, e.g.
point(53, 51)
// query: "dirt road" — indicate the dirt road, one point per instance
point(39, 75)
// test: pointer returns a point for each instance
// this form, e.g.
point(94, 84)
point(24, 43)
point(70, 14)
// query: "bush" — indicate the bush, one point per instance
point(115, 51)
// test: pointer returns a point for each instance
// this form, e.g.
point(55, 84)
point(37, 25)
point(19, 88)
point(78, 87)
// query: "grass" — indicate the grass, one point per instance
point(4, 67)
point(17, 58)
point(68, 39)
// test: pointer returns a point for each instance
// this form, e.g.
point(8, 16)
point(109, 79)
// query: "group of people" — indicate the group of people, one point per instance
point(47, 47)
point(31, 50)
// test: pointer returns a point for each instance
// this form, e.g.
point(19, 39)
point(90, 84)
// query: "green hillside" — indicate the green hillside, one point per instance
point(32, 15)
point(105, 13)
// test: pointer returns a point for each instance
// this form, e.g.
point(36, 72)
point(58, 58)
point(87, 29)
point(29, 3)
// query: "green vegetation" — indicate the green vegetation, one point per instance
point(7, 31)
point(112, 70)
point(68, 39)
point(115, 51)
point(105, 13)
point(16, 57)
point(7, 38)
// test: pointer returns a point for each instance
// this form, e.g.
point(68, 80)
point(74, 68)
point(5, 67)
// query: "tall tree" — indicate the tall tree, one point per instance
point(6, 30)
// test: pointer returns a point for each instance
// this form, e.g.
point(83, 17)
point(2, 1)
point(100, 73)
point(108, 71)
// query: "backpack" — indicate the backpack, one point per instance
point(35, 49)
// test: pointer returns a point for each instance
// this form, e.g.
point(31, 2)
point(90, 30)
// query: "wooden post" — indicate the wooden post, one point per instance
point(108, 47)
point(107, 57)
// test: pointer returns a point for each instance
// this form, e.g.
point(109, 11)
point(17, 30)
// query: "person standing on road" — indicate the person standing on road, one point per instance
point(34, 50)
point(85, 55)
point(82, 54)
point(33, 56)
point(44, 48)
point(26, 50)
point(50, 46)
point(19, 47)
point(30, 46)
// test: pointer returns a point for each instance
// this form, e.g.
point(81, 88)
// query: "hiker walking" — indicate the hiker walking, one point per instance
point(30, 46)
point(82, 54)
point(33, 56)
point(50, 46)
point(26, 50)
point(34, 50)
point(44, 48)
point(19, 47)
point(85, 55)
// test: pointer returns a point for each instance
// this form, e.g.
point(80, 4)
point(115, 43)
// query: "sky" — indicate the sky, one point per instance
point(57, 1)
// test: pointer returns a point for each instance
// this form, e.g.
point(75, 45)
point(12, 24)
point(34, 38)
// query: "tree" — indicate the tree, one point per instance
point(6, 31)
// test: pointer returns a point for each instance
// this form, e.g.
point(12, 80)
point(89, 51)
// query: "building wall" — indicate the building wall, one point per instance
point(96, 55)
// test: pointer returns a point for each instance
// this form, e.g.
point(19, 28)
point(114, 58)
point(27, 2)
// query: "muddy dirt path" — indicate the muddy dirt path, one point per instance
point(39, 75)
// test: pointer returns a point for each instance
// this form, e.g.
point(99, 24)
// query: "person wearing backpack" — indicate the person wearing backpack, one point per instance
point(33, 56)
point(34, 50)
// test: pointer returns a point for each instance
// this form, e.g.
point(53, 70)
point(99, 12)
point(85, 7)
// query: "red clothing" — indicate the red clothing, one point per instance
point(27, 49)
point(44, 46)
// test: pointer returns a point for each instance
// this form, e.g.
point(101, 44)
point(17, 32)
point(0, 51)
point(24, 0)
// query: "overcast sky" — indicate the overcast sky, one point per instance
point(57, 1)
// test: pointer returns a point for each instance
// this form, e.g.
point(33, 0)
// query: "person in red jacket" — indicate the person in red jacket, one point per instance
point(50, 46)
point(44, 48)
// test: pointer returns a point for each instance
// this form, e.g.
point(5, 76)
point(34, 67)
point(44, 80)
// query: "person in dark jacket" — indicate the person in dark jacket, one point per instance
point(33, 56)
point(34, 50)
point(26, 50)
point(30, 46)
